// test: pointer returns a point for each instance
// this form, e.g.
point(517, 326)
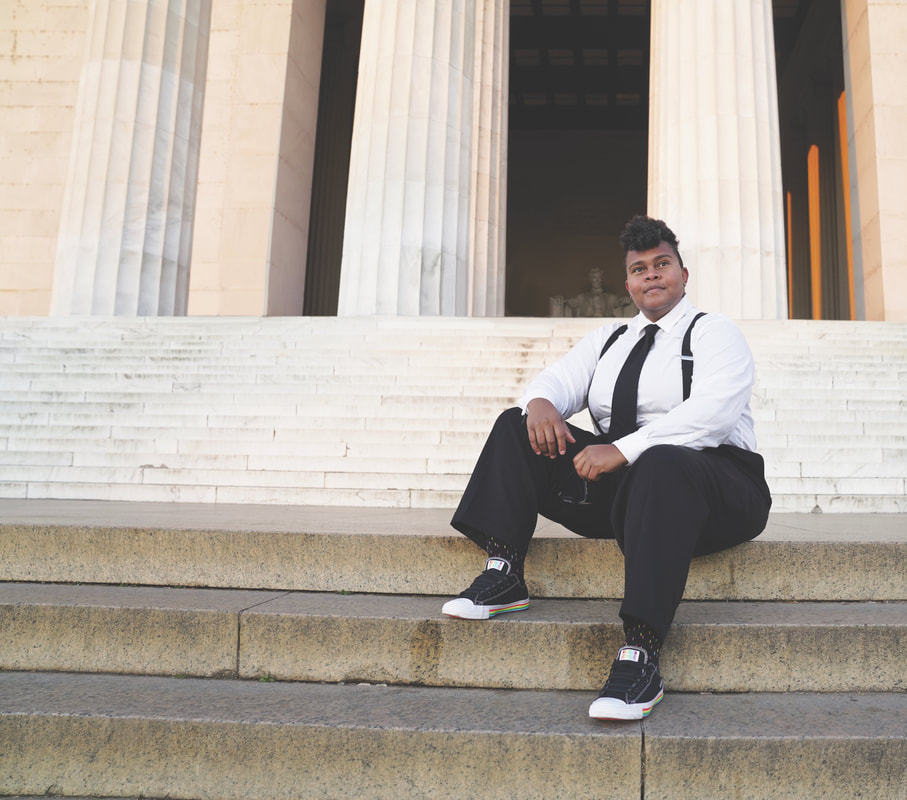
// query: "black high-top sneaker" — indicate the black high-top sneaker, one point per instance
point(633, 688)
point(496, 591)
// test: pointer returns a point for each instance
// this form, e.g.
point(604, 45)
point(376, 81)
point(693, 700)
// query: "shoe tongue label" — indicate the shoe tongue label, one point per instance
point(497, 563)
point(629, 654)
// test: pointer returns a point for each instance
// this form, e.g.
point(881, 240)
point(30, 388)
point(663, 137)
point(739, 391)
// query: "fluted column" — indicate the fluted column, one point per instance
point(408, 233)
point(126, 228)
point(714, 151)
point(488, 202)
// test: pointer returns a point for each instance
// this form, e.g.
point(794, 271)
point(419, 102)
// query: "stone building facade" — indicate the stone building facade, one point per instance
point(448, 157)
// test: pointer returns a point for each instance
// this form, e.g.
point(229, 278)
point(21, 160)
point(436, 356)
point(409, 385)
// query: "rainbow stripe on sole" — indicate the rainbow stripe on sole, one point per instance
point(494, 611)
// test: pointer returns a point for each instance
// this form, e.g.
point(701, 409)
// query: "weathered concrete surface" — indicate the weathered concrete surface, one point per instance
point(101, 735)
point(562, 644)
point(777, 747)
point(128, 736)
point(142, 630)
point(414, 551)
point(555, 644)
point(114, 735)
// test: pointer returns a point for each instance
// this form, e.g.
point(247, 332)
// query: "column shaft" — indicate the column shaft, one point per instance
point(427, 161)
point(126, 228)
point(488, 202)
point(714, 151)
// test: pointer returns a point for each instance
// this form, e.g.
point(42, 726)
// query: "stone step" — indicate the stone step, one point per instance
point(799, 557)
point(844, 376)
point(788, 341)
point(129, 461)
point(842, 425)
point(390, 364)
point(409, 498)
point(400, 639)
point(342, 337)
point(207, 330)
point(282, 443)
point(845, 452)
point(845, 426)
point(369, 473)
point(244, 495)
point(108, 735)
point(778, 387)
point(241, 387)
point(854, 456)
point(221, 458)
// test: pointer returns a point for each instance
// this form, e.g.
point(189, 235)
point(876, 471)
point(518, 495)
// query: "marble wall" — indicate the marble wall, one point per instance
point(42, 47)
point(255, 173)
point(875, 63)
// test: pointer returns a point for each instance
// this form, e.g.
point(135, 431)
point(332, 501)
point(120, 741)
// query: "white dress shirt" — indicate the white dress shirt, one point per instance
point(717, 411)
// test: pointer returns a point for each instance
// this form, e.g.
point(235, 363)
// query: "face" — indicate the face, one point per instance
point(655, 280)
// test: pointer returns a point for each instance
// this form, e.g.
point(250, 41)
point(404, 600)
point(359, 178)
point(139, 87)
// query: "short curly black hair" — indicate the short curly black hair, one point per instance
point(644, 233)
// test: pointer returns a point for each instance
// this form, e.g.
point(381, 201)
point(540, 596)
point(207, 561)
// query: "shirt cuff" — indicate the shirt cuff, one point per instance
point(526, 399)
point(632, 446)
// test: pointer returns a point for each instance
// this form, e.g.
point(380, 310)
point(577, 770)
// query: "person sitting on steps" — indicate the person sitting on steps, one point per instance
point(671, 473)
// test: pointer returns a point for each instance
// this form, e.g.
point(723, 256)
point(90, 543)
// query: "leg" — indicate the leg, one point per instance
point(677, 503)
point(511, 485)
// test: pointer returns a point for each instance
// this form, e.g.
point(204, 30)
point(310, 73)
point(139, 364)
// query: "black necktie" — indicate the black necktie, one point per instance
point(623, 404)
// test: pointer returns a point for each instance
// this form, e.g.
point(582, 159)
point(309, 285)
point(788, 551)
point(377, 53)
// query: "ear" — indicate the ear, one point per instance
point(686, 275)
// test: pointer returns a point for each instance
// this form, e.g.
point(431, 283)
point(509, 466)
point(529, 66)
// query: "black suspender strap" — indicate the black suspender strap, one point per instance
point(611, 340)
point(686, 359)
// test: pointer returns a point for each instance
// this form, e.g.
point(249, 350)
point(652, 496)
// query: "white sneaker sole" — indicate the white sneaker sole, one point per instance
point(612, 708)
point(462, 608)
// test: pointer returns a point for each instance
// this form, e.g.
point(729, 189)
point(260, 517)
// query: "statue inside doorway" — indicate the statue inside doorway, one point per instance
point(593, 303)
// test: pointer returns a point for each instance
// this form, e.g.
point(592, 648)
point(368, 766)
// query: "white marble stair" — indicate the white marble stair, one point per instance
point(390, 411)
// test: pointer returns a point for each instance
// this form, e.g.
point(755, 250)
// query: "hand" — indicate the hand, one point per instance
point(548, 433)
point(595, 460)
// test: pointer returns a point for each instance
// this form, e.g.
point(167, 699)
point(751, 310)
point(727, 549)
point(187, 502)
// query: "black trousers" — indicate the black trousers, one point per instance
point(672, 504)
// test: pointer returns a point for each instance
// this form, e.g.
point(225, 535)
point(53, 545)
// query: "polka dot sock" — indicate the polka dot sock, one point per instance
point(639, 634)
point(508, 552)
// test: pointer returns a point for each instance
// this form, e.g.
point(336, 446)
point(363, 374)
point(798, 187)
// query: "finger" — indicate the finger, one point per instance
point(561, 438)
point(552, 447)
point(533, 441)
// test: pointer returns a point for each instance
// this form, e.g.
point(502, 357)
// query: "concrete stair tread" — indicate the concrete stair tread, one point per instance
point(376, 521)
point(346, 605)
point(555, 644)
point(389, 550)
point(448, 709)
point(282, 735)
point(376, 498)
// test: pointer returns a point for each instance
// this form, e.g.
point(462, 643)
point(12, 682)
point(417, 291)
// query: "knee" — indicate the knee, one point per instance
point(664, 461)
point(510, 419)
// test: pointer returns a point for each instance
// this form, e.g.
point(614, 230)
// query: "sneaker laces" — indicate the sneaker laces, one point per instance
point(625, 675)
point(485, 580)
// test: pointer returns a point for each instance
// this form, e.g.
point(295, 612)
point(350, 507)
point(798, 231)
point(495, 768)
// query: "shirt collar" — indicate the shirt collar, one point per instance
point(680, 312)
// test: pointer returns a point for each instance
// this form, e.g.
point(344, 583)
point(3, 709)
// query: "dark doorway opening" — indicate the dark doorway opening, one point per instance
point(814, 160)
point(577, 148)
point(336, 104)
